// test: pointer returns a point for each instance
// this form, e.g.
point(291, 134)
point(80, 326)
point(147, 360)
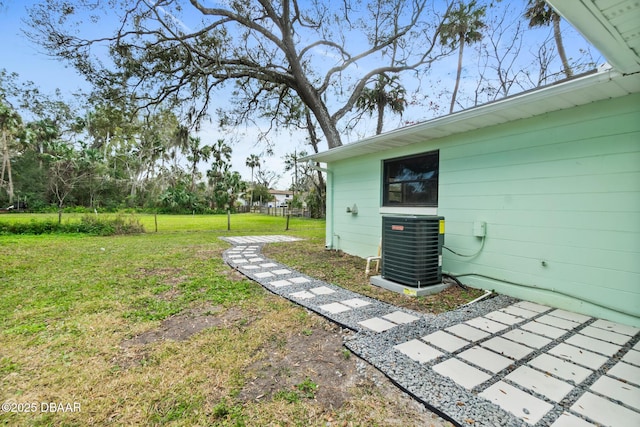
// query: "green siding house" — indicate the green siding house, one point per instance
point(550, 177)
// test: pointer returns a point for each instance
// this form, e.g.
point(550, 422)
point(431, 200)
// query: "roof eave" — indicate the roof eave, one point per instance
point(524, 105)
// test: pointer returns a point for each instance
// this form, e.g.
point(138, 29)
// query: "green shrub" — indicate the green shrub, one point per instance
point(89, 224)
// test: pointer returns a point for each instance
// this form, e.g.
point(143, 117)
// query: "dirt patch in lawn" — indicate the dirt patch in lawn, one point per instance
point(315, 365)
point(182, 326)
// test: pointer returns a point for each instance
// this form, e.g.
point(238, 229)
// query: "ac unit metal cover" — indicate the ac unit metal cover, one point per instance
point(412, 249)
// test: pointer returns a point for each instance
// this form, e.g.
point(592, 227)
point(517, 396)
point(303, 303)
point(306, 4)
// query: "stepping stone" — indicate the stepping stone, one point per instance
point(418, 351)
point(281, 271)
point(445, 341)
point(532, 306)
point(486, 325)
point(605, 335)
point(569, 420)
point(505, 318)
point(616, 327)
point(467, 332)
point(596, 345)
point(268, 265)
point(355, 302)
point(299, 280)
point(579, 356)
point(400, 317)
point(518, 402)
point(540, 383)
point(264, 275)
point(618, 390)
point(280, 283)
point(557, 322)
point(605, 412)
point(568, 315)
point(322, 290)
point(542, 329)
point(485, 359)
point(303, 295)
point(335, 308)
point(626, 372)
point(507, 348)
point(461, 373)
point(520, 312)
point(527, 338)
point(377, 325)
point(561, 368)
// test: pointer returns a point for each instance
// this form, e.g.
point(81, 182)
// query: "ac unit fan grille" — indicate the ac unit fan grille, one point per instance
point(412, 250)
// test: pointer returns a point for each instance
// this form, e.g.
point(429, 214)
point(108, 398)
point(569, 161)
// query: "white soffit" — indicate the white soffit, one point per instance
point(578, 91)
point(612, 26)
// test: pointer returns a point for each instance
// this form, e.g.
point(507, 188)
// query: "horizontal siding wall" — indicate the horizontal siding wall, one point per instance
point(357, 181)
point(560, 195)
point(561, 198)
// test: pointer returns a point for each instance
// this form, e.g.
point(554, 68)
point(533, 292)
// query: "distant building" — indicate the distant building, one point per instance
point(282, 198)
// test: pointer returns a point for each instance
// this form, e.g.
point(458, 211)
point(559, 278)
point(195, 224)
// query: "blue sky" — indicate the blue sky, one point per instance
point(18, 54)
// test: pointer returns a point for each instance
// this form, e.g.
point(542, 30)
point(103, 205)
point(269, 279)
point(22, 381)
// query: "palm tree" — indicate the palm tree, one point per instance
point(10, 124)
point(253, 161)
point(378, 98)
point(540, 14)
point(196, 155)
point(462, 27)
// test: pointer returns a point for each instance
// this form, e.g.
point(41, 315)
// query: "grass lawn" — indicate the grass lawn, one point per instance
point(155, 329)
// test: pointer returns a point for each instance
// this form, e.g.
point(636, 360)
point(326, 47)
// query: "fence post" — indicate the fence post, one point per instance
point(228, 219)
point(288, 216)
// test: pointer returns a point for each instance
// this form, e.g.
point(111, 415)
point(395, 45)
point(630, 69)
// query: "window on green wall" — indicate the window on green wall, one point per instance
point(411, 180)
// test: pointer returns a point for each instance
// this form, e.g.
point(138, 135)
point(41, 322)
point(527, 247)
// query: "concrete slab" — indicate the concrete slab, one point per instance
point(519, 403)
point(462, 373)
point(507, 348)
point(625, 372)
point(355, 302)
point(605, 412)
point(334, 308)
point(618, 390)
point(582, 357)
point(505, 318)
point(527, 338)
point(377, 325)
point(561, 368)
point(407, 290)
point(605, 335)
point(540, 383)
point(593, 344)
point(322, 290)
point(485, 359)
point(445, 341)
point(544, 330)
point(486, 325)
point(400, 317)
point(418, 351)
point(280, 283)
point(302, 295)
point(570, 420)
point(467, 332)
point(299, 280)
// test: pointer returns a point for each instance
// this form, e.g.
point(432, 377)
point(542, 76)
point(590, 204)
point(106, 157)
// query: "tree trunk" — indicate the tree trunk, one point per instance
point(560, 45)
point(380, 116)
point(6, 166)
point(458, 73)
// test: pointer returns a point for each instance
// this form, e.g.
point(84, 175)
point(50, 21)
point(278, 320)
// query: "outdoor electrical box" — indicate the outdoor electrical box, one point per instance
point(479, 229)
point(412, 249)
